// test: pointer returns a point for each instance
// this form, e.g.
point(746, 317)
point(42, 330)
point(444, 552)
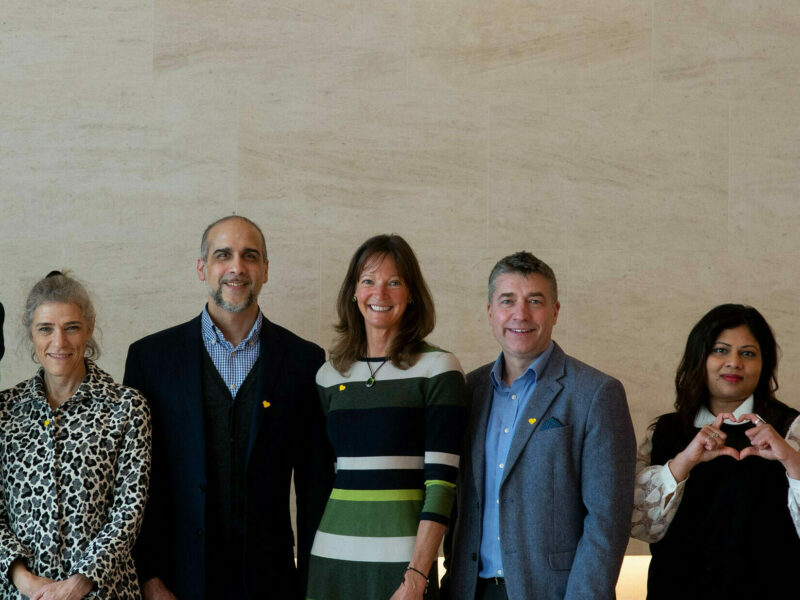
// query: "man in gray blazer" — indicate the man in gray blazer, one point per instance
point(546, 481)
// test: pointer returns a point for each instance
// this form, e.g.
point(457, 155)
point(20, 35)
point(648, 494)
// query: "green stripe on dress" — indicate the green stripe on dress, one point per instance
point(439, 499)
point(381, 519)
point(376, 495)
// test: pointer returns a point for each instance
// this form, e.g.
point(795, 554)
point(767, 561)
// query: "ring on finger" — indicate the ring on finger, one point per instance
point(714, 435)
point(759, 420)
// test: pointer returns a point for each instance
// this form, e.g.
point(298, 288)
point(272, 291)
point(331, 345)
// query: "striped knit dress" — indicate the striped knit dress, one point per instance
point(397, 446)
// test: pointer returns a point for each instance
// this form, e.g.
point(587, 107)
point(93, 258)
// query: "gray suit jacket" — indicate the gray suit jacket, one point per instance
point(567, 490)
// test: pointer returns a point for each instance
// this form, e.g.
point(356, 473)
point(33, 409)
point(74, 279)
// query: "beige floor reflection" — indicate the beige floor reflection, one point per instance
point(632, 584)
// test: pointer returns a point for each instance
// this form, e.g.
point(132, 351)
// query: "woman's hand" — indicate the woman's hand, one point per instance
point(708, 444)
point(412, 588)
point(74, 587)
point(26, 582)
point(768, 443)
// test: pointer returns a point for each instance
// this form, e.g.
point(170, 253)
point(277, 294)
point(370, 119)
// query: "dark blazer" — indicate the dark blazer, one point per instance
point(287, 435)
point(2, 342)
point(567, 490)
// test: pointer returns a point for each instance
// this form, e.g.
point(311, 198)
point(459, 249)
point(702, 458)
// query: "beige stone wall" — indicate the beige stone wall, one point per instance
point(647, 149)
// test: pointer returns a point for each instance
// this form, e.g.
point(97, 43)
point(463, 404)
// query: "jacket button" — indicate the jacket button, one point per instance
point(199, 532)
point(474, 557)
point(202, 487)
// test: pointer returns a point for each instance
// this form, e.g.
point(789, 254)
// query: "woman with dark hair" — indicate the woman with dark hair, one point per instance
point(718, 481)
point(395, 409)
point(74, 461)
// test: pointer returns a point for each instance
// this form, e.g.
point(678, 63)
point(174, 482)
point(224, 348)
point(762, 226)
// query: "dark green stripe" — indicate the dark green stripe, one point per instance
point(371, 519)
point(331, 579)
point(439, 499)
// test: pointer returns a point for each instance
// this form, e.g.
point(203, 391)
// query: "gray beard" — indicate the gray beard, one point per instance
point(216, 296)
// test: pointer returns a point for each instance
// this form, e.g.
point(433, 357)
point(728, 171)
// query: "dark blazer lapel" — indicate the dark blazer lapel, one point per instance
point(271, 355)
point(482, 397)
point(545, 392)
point(187, 385)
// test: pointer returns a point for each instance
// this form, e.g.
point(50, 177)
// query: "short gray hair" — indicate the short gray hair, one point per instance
point(204, 240)
point(60, 289)
point(523, 263)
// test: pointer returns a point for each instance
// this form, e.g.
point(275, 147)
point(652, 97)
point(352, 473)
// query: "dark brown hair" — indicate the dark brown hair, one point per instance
point(418, 319)
point(691, 381)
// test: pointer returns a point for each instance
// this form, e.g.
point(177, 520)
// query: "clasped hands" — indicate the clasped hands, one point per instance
point(709, 443)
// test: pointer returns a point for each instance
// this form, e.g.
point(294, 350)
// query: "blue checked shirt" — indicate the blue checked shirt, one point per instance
point(232, 363)
point(508, 403)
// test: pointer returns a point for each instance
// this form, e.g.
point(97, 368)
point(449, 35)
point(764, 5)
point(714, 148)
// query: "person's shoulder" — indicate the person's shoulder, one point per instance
point(435, 360)
point(103, 387)
point(290, 339)
point(479, 376)
point(169, 337)
point(579, 371)
point(15, 394)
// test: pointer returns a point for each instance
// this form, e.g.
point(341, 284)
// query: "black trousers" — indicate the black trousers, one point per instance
point(487, 589)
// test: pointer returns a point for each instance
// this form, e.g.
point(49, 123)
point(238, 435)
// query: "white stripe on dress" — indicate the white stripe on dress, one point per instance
point(363, 549)
point(366, 463)
point(442, 458)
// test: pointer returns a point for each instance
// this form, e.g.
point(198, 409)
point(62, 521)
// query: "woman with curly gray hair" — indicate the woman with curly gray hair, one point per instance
point(74, 460)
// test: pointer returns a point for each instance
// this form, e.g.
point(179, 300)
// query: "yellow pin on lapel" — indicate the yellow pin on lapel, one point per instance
point(342, 387)
point(531, 420)
point(266, 404)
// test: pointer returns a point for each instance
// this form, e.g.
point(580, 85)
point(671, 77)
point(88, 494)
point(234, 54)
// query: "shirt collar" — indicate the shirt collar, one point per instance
point(212, 333)
point(706, 417)
point(94, 376)
point(535, 369)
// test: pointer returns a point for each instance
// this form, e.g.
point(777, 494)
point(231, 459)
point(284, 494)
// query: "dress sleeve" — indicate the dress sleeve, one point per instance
point(10, 547)
point(656, 496)
point(793, 438)
point(116, 538)
point(445, 419)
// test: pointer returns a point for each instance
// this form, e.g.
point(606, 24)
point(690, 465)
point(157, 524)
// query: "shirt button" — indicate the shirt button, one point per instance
point(513, 397)
point(506, 430)
point(233, 354)
point(498, 500)
point(499, 571)
point(501, 465)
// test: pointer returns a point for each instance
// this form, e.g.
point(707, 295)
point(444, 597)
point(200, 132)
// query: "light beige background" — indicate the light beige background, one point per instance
point(648, 150)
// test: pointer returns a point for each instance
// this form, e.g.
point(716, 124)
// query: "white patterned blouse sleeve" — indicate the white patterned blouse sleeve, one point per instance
point(793, 438)
point(656, 496)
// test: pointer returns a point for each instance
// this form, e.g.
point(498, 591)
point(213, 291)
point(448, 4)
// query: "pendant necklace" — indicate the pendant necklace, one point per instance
point(371, 380)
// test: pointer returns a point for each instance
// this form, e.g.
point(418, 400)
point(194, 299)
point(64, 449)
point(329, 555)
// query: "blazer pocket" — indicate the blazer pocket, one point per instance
point(561, 561)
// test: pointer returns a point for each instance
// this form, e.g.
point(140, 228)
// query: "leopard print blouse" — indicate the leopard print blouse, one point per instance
point(73, 483)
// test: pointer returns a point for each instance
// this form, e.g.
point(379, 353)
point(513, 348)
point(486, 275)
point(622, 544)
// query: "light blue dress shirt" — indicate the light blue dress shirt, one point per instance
point(233, 363)
point(508, 403)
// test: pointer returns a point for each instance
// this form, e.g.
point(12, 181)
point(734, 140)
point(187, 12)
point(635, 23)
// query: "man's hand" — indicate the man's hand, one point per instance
point(154, 589)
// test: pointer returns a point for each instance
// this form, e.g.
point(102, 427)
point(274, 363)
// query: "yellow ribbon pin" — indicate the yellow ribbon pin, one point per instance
point(531, 421)
point(266, 404)
point(341, 387)
point(47, 423)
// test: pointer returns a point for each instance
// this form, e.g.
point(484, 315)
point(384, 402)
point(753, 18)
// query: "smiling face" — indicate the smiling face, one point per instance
point(381, 295)
point(522, 314)
point(733, 368)
point(235, 268)
point(60, 334)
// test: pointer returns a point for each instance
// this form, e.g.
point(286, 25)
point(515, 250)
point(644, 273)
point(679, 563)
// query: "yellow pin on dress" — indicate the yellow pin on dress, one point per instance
point(531, 420)
point(266, 404)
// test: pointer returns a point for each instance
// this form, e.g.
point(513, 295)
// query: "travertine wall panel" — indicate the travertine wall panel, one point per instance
point(648, 150)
